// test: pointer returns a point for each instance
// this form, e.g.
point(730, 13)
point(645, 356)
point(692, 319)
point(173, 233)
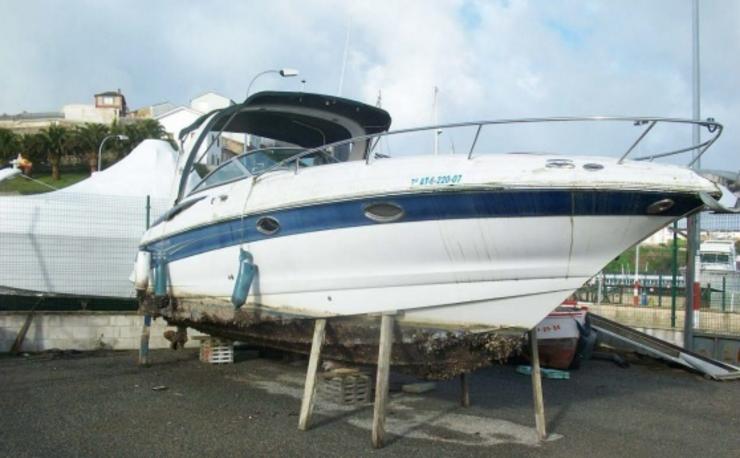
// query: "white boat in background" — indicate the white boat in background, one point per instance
point(323, 227)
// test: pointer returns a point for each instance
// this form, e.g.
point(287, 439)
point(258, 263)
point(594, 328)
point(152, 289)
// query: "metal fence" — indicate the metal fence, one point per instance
point(659, 307)
point(65, 244)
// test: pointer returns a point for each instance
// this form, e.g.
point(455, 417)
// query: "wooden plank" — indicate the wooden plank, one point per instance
point(381, 382)
point(539, 406)
point(309, 389)
point(465, 390)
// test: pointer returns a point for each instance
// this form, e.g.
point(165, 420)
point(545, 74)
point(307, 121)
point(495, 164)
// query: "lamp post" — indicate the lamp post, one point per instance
point(284, 72)
point(100, 148)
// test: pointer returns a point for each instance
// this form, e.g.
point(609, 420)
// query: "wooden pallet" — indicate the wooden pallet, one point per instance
point(216, 351)
point(347, 387)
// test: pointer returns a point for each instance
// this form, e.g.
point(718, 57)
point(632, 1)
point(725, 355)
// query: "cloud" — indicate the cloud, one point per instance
point(490, 59)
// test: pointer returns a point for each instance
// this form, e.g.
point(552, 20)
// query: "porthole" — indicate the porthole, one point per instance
point(384, 212)
point(660, 206)
point(268, 225)
point(559, 164)
point(592, 166)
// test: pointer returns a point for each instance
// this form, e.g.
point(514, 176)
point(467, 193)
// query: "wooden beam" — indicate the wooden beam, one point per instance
point(382, 379)
point(539, 405)
point(309, 389)
point(465, 390)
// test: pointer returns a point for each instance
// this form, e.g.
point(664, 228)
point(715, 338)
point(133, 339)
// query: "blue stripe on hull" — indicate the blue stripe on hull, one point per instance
point(421, 207)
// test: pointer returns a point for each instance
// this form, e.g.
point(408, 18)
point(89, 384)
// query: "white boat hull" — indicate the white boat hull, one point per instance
point(493, 272)
point(482, 249)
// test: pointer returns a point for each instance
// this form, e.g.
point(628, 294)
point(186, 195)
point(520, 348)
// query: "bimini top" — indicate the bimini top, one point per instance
point(297, 118)
point(304, 119)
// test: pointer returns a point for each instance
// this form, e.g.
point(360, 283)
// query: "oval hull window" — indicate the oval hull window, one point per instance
point(660, 206)
point(384, 212)
point(559, 164)
point(268, 225)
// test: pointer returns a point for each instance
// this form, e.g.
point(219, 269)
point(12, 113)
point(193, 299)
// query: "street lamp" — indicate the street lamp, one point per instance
point(284, 72)
point(100, 149)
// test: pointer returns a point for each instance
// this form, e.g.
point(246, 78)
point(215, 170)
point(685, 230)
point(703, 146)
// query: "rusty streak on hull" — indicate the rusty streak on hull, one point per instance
point(423, 351)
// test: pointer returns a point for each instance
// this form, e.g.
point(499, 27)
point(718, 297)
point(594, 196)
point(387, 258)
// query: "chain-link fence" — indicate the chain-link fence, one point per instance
point(65, 244)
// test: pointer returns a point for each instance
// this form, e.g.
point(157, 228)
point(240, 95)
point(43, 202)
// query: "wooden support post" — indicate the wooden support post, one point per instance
point(309, 389)
point(539, 406)
point(144, 344)
point(383, 376)
point(465, 390)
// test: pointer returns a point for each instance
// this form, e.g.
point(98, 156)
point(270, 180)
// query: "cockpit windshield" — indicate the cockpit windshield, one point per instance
point(257, 161)
point(262, 159)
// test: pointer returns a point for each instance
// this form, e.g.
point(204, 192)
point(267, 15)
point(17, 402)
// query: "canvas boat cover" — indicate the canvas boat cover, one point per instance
point(82, 240)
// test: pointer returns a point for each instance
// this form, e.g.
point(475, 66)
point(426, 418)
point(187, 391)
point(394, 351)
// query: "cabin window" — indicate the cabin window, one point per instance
point(715, 258)
point(384, 212)
point(268, 225)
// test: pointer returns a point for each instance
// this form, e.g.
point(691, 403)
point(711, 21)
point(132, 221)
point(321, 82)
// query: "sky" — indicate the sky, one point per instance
point(490, 59)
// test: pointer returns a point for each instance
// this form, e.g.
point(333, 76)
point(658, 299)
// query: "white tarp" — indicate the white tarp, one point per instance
point(82, 240)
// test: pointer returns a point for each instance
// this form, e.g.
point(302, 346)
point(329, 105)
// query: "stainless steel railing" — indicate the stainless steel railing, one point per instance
point(714, 128)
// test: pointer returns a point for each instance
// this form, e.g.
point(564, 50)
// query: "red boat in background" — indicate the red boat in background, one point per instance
point(558, 335)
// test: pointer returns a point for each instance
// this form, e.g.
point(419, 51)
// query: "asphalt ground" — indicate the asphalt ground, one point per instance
point(103, 404)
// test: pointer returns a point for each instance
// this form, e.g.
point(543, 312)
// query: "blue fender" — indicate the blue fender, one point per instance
point(244, 278)
point(160, 277)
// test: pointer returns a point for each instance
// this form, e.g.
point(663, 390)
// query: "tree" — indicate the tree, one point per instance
point(33, 147)
point(57, 142)
point(9, 145)
point(87, 139)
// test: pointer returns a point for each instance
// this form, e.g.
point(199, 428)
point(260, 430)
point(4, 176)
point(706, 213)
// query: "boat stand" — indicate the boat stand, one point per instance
point(381, 383)
point(309, 389)
point(144, 344)
point(383, 376)
point(465, 389)
point(539, 405)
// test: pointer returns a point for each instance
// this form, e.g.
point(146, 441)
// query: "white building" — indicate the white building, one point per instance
point(176, 119)
point(209, 101)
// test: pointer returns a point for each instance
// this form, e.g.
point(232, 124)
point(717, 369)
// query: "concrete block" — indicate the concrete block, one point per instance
point(127, 344)
point(5, 345)
point(130, 332)
point(8, 333)
point(80, 332)
point(8, 321)
point(126, 320)
point(109, 332)
point(97, 320)
point(51, 320)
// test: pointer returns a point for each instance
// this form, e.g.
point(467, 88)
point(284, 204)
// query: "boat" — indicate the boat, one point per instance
point(558, 335)
point(466, 250)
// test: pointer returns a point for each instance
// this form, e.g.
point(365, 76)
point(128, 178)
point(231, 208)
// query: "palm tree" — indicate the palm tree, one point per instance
point(88, 139)
point(136, 131)
point(33, 147)
point(56, 141)
point(9, 145)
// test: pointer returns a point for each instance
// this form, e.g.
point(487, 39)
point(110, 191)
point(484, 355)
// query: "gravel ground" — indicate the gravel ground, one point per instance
point(102, 404)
